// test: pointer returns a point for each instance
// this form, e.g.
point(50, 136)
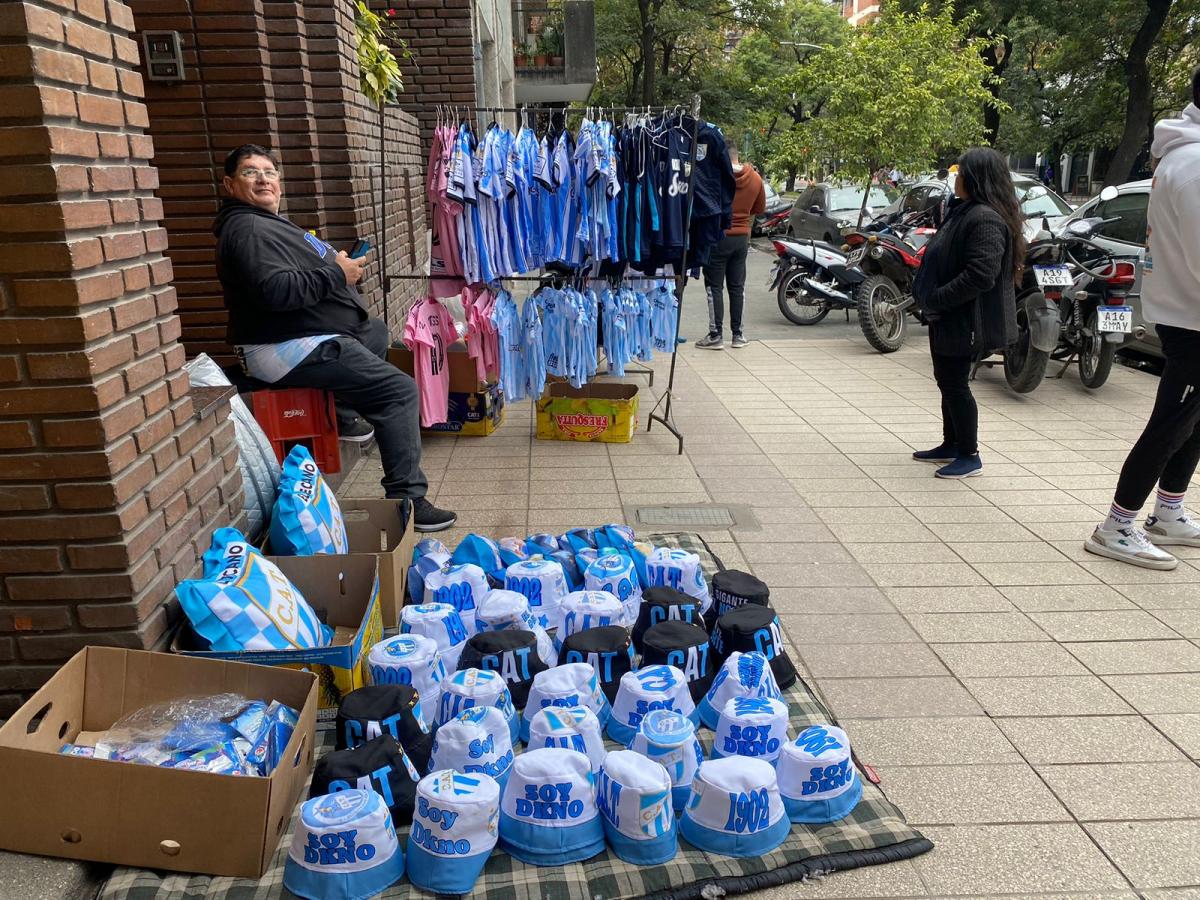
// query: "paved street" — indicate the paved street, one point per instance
point(1031, 708)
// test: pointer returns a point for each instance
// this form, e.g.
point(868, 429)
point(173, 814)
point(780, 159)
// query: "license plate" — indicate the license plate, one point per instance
point(1053, 276)
point(1116, 318)
point(856, 256)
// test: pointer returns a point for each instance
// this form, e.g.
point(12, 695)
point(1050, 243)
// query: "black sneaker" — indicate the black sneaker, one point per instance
point(357, 430)
point(712, 342)
point(427, 517)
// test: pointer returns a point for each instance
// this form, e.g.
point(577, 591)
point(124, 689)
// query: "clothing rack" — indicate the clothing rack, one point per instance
point(664, 402)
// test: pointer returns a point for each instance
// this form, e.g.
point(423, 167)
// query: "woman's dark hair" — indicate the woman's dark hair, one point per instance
point(986, 179)
point(1196, 86)
point(236, 156)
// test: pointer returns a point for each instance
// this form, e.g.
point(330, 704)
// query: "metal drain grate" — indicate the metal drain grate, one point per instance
point(696, 516)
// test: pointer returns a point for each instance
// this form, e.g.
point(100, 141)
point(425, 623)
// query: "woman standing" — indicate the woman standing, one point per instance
point(966, 289)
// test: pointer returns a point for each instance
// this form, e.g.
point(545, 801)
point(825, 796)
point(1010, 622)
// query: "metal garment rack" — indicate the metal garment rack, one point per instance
point(451, 112)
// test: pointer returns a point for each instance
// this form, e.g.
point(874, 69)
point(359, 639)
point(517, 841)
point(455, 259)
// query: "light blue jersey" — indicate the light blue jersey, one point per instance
point(535, 360)
point(665, 312)
point(511, 336)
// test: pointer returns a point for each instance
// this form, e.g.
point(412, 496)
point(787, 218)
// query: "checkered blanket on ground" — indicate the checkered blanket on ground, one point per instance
point(874, 833)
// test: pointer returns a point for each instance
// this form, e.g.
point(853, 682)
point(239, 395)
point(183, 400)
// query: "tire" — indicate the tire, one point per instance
point(1095, 363)
point(1024, 364)
point(790, 290)
point(883, 330)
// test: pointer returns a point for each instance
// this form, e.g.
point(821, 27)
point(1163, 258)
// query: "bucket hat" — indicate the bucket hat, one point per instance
point(754, 628)
point(669, 738)
point(513, 654)
point(468, 688)
point(681, 570)
point(454, 830)
point(409, 659)
point(684, 646)
point(607, 649)
point(462, 585)
point(735, 808)
point(366, 713)
point(475, 742)
point(649, 688)
point(633, 794)
point(379, 765)
point(664, 604)
point(548, 814)
point(542, 582)
point(576, 728)
point(441, 623)
point(741, 675)
point(566, 685)
point(751, 726)
point(344, 848)
point(817, 778)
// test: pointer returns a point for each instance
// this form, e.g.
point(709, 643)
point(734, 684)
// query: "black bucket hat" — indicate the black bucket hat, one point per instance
point(684, 646)
point(381, 764)
point(513, 653)
point(664, 604)
point(731, 589)
point(607, 648)
point(754, 628)
point(378, 709)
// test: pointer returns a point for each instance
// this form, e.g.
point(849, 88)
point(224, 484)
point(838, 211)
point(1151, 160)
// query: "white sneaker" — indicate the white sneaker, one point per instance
point(1129, 545)
point(1181, 532)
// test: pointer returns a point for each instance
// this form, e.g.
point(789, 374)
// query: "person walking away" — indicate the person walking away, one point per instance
point(296, 320)
point(966, 289)
point(1167, 452)
point(726, 265)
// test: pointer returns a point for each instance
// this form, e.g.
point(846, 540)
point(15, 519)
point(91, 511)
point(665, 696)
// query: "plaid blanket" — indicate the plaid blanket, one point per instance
point(874, 833)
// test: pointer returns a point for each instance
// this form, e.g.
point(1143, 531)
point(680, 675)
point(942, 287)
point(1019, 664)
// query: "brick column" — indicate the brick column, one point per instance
point(110, 482)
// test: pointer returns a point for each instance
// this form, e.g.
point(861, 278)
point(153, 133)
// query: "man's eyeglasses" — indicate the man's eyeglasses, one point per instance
point(255, 174)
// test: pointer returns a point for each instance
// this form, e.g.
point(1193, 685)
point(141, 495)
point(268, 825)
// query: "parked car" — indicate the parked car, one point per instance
point(1037, 201)
point(1122, 236)
point(776, 203)
point(823, 210)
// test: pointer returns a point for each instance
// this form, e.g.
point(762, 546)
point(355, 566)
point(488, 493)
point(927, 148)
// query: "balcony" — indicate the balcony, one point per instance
point(554, 51)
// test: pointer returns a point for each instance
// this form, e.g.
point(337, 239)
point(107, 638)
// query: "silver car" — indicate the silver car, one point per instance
point(1124, 236)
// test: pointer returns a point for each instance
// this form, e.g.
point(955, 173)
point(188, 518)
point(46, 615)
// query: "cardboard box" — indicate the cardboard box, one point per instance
point(144, 816)
point(601, 411)
point(476, 408)
point(347, 589)
point(375, 527)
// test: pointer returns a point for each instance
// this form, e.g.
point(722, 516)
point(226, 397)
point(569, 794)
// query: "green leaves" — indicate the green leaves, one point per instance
point(380, 78)
point(902, 91)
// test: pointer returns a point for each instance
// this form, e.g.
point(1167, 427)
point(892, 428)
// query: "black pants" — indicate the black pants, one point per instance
point(960, 414)
point(1169, 448)
point(360, 377)
point(726, 266)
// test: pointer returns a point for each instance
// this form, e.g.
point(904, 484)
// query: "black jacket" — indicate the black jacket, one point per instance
point(280, 282)
point(965, 284)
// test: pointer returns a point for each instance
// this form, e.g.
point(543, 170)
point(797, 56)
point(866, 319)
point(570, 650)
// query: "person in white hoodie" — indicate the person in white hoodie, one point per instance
point(1167, 452)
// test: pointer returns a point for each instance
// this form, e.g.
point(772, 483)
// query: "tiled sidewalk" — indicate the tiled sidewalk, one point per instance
point(1035, 710)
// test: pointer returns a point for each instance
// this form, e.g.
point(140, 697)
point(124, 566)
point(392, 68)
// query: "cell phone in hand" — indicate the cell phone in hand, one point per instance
point(360, 249)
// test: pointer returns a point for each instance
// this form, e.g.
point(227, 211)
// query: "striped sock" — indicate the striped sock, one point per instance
point(1168, 505)
point(1118, 517)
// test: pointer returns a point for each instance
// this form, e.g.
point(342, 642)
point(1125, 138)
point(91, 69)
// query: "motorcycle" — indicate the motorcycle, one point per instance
point(889, 261)
point(776, 224)
point(1069, 310)
point(812, 277)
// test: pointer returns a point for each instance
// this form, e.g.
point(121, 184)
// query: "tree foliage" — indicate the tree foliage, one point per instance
point(902, 91)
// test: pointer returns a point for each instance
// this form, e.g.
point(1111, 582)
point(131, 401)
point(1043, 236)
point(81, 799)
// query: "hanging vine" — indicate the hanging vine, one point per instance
point(380, 78)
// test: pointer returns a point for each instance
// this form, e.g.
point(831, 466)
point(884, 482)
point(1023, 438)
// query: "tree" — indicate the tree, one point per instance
point(902, 91)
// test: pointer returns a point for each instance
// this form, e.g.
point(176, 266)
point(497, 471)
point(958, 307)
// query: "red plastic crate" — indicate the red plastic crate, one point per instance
point(291, 416)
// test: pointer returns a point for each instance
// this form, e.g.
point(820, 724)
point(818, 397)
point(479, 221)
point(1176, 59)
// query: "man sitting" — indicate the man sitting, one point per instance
point(297, 321)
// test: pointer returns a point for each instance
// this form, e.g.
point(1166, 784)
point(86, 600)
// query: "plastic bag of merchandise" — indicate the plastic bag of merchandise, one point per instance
point(256, 457)
point(224, 734)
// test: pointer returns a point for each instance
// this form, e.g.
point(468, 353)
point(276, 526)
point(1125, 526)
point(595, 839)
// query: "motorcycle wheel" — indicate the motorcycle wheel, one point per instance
point(798, 305)
point(1024, 364)
point(1095, 354)
point(882, 325)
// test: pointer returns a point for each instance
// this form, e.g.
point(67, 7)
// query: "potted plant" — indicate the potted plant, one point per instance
point(554, 46)
point(520, 58)
point(540, 56)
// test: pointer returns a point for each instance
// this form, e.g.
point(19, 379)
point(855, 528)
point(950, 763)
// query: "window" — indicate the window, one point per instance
point(1131, 227)
point(915, 200)
point(805, 200)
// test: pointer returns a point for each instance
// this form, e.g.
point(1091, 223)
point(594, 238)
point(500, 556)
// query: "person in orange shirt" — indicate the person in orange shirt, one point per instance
point(727, 263)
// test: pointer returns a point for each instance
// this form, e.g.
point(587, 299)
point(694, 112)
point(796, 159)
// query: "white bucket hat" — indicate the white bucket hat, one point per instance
point(455, 827)
point(669, 738)
point(633, 794)
point(410, 659)
point(817, 778)
point(568, 685)
point(735, 808)
point(548, 814)
point(649, 688)
point(751, 726)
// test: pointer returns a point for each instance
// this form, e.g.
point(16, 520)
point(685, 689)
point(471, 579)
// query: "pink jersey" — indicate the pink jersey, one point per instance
point(482, 340)
point(428, 333)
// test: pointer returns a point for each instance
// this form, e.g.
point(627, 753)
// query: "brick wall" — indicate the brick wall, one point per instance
point(283, 74)
point(441, 68)
point(111, 483)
